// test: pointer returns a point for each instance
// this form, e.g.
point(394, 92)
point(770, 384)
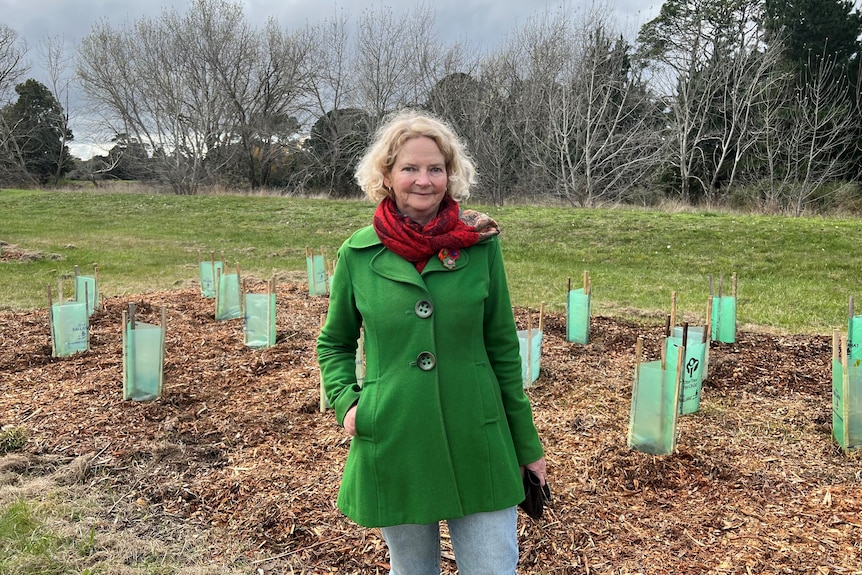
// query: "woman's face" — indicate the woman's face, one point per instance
point(418, 179)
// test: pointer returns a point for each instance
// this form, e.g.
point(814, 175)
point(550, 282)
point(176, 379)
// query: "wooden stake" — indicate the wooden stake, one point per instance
point(680, 355)
point(707, 331)
point(733, 284)
point(663, 351)
point(639, 349)
point(836, 345)
point(529, 346)
point(542, 317)
point(845, 390)
point(54, 351)
point(323, 401)
point(672, 310)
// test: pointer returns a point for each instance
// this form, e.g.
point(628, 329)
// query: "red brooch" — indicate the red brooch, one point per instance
point(449, 257)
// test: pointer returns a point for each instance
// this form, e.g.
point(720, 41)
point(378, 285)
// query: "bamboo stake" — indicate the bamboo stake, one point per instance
point(664, 344)
point(323, 402)
point(845, 391)
point(54, 351)
point(216, 287)
point(836, 345)
point(87, 310)
point(672, 310)
point(131, 347)
point(125, 353)
point(529, 382)
point(164, 328)
point(680, 354)
point(708, 328)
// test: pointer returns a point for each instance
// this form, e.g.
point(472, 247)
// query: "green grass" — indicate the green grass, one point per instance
point(794, 274)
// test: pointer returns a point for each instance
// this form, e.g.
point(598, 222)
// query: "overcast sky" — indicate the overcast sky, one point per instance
point(483, 22)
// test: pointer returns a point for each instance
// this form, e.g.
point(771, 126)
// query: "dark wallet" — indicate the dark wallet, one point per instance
point(535, 495)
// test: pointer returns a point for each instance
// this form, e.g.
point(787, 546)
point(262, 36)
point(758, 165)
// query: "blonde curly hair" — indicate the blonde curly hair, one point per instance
point(397, 129)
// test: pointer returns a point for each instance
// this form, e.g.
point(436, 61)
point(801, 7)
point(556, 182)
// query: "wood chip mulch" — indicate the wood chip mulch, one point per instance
point(237, 445)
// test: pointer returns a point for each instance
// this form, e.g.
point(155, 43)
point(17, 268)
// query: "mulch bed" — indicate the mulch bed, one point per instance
point(237, 445)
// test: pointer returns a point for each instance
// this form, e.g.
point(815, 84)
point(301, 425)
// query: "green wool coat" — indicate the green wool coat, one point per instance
point(442, 421)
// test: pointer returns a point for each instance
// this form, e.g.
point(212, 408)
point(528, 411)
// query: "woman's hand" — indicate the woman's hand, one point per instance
point(350, 421)
point(537, 467)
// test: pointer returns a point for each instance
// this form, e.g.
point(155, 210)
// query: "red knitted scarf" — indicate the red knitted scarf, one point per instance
point(451, 229)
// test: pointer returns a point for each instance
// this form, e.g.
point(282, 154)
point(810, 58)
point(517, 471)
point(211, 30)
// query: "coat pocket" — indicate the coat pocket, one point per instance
point(489, 392)
point(365, 410)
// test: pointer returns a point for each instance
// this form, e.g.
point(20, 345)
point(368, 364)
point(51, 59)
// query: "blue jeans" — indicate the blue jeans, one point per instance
point(484, 544)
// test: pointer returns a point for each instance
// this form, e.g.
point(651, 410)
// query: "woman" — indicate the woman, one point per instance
point(441, 424)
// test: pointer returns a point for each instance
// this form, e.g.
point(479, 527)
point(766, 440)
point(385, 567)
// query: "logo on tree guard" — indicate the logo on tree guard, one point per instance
point(691, 366)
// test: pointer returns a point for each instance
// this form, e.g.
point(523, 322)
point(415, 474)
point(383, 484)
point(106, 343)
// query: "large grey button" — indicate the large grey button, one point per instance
point(424, 308)
point(426, 361)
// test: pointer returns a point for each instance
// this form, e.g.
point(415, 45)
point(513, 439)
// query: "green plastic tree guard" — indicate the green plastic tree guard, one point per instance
point(228, 301)
point(693, 366)
point(723, 320)
point(87, 290)
point(69, 324)
point(578, 312)
point(847, 385)
point(655, 404)
point(530, 342)
point(316, 267)
point(143, 357)
point(259, 320)
point(70, 328)
point(209, 271)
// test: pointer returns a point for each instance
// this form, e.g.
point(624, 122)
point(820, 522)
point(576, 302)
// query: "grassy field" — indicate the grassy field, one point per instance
point(795, 275)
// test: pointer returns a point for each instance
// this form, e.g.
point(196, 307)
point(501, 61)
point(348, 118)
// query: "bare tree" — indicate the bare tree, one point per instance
point(707, 62)
point(396, 57)
point(160, 83)
point(12, 68)
point(58, 64)
point(583, 119)
point(806, 138)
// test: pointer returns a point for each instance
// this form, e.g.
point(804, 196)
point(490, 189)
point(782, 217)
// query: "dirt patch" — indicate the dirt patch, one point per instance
point(14, 253)
point(237, 446)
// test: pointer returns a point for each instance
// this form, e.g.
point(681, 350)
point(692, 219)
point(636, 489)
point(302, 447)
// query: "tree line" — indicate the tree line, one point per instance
point(750, 103)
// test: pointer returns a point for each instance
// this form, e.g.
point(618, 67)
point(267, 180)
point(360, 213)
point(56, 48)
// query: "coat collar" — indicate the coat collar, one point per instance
point(394, 267)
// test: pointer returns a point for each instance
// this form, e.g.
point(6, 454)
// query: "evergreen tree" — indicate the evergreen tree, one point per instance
point(37, 123)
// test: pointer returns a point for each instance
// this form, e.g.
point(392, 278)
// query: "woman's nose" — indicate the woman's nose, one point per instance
point(422, 178)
